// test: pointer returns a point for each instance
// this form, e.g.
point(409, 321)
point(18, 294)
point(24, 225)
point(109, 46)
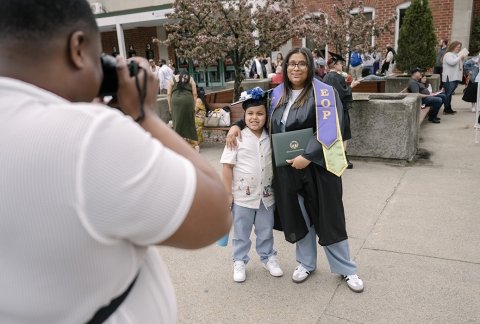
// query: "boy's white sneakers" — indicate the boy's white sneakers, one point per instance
point(273, 267)
point(354, 283)
point(239, 271)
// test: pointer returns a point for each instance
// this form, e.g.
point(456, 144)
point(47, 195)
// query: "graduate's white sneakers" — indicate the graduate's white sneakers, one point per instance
point(300, 274)
point(239, 271)
point(273, 267)
point(354, 283)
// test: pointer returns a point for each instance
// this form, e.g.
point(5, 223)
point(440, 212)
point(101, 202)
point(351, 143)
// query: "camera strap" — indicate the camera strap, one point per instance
point(104, 313)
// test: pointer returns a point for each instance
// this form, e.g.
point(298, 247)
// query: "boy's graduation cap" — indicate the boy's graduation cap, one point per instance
point(253, 97)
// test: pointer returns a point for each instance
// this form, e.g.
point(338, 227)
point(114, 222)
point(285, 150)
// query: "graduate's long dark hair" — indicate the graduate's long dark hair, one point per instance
point(287, 90)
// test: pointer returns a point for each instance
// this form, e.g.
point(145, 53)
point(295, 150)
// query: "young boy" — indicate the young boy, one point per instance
point(247, 175)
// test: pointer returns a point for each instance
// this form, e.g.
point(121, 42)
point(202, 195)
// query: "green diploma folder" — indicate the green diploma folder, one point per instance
point(288, 145)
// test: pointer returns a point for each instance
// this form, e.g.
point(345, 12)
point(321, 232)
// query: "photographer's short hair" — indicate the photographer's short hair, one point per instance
point(33, 21)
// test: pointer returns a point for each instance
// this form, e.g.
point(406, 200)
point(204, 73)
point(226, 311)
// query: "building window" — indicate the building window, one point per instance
point(369, 13)
point(401, 10)
point(309, 42)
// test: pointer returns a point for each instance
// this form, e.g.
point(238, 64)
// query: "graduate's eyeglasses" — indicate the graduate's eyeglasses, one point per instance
point(300, 65)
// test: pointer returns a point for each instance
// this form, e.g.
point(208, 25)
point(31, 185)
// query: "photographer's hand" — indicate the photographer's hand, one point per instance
point(128, 97)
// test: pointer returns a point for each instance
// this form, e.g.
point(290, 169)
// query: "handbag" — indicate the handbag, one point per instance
point(219, 117)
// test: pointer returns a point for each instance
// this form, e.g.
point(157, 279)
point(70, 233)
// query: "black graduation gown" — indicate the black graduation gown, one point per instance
point(344, 90)
point(321, 190)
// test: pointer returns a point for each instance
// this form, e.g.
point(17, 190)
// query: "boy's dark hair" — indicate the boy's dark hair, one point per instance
point(40, 20)
point(254, 102)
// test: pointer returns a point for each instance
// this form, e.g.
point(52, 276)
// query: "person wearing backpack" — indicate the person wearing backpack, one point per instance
point(356, 64)
point(181, 98)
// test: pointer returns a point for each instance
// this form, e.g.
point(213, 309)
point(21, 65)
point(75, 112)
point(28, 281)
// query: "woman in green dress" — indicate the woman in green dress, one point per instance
point(181, 97)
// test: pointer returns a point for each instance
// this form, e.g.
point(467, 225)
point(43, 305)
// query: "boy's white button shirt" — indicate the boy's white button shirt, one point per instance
point(252, 173)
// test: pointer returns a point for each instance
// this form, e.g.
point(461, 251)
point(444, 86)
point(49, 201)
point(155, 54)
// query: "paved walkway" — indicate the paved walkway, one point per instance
point(414, 232)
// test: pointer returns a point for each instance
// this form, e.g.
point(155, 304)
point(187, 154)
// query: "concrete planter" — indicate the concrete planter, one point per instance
point(162, 108)
point(384, 126)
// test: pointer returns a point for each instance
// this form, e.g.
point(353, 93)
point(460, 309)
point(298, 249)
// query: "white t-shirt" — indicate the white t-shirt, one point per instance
point(165, 74)
point(293, 97)
point(252, 173)
point(84, 192)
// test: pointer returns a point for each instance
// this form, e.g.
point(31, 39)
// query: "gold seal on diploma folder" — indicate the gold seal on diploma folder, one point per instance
point(289, 145)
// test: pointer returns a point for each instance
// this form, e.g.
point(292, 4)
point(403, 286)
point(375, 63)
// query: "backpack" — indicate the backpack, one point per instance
point(356, 60)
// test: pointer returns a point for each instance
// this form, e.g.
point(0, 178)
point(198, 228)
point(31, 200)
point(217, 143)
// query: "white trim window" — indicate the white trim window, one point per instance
point(401, 9)
point(369, 13)
point(307, 42)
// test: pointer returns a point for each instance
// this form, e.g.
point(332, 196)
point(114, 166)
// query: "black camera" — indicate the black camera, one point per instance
point(109, 85)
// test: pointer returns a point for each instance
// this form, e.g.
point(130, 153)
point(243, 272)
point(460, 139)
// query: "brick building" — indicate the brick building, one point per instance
point(452, 19)
point(126, 23)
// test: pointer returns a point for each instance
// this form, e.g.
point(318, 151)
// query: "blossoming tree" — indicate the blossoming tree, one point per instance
point(209, 30)
point(347, 27)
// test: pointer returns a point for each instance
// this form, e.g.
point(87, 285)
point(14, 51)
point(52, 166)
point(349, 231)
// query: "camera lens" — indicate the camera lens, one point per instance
point(109, 86)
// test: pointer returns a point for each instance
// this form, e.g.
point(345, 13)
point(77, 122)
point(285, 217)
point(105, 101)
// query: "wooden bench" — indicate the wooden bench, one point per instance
point(217, 134)
point(371, 86)
point(220, 96)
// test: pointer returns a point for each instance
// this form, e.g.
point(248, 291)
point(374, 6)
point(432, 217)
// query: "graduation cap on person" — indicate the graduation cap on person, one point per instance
point(253, 97)
point(334, 58)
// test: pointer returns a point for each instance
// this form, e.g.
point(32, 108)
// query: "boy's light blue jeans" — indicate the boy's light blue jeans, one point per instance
point(243, 221)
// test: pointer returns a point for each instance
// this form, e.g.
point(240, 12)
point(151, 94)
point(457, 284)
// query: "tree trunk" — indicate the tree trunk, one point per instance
point(237, 84)
point(238, 76)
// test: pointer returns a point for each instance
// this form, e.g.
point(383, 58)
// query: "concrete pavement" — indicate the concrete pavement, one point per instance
point(414, 232)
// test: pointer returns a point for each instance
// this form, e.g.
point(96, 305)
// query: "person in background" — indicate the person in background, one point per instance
point(387, 66)
point(366, 76)
point(153, 67)
point(318, 60)
point(267, 62)
point(320, 64)
point(428, 99)
point(258, 69)
point(131, 51)
point(471, 67)
point(441, 94)
point(442, 48)
point(279, 61)
point(165, 75)
point(377, 56)
point(181, 98)
point(88, 191)
point(368, 61)
point(201, 107)
point(277, 78)
point(149, 55)
point(247, 175)
point(452, 73)
point(356, 63)
point(335, 78)
point(308, 190)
